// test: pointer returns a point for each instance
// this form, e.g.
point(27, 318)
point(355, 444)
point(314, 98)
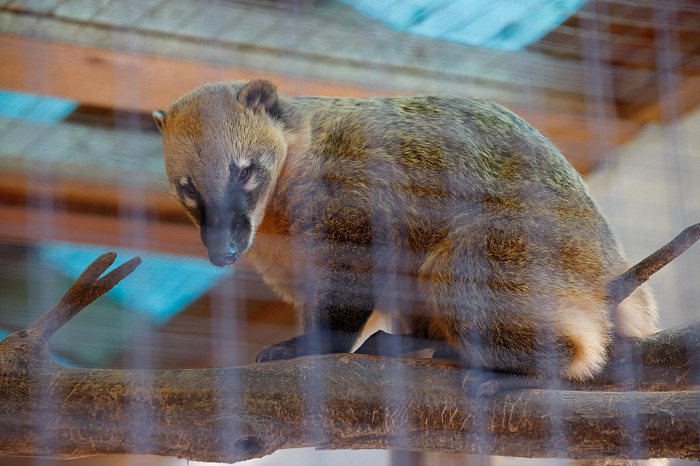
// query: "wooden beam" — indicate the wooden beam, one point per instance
point(675, 98)
point(27, 225)
point(323, 43)
point(111, 78)
point(93, 76)
point(124, 80)
point(87, 197)
point(34, 209)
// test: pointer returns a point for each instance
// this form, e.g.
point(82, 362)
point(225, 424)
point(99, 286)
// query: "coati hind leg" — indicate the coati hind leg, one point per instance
point(494, 316)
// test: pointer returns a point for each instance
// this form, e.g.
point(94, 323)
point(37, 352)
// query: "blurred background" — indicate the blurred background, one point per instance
point(615, 84)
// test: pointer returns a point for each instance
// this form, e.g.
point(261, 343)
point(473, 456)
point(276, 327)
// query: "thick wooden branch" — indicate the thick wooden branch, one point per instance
point(339, 401)
point(335, 402)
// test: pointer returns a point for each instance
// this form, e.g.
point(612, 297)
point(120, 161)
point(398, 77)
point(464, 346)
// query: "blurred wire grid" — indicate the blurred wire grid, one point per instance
point(616, 86)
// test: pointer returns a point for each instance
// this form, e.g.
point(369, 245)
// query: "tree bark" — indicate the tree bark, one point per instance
point(334, 402)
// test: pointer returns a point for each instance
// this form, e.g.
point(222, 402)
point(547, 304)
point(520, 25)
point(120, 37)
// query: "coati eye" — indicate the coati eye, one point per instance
point(243, 175)
point(189, 191)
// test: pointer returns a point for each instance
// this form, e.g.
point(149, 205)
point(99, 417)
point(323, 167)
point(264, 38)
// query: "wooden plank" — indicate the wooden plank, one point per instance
point(89, 75)
point(683, 97)
point(34, 209)
point(81, 196)
point(123, 80)
point(112, 78)
point(27, 225)
point(322, 43)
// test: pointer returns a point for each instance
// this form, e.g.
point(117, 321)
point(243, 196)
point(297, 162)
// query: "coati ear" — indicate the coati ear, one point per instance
point(260, 93)
point(159, 117)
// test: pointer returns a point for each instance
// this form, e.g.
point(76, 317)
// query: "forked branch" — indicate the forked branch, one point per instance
point(88, 287)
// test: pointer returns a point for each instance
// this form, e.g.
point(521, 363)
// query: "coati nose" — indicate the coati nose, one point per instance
point(223, 254)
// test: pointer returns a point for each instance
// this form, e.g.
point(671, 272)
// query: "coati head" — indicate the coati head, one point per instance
point(224, 147)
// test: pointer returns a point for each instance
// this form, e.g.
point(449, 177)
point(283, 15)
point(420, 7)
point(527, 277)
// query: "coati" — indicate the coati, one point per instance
point(455, 207)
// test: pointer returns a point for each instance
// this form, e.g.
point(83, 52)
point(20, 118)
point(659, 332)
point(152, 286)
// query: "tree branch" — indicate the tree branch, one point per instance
point(87, 288)
point(334, 402)
point(626, 283)
point(338, 402)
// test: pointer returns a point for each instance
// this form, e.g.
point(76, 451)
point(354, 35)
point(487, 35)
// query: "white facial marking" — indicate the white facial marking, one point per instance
point(241, 162)
point(189, 202)
point(251, 184)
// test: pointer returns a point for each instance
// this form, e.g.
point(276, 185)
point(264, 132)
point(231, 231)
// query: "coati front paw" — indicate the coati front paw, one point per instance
point(284, 350)
point(316, 342)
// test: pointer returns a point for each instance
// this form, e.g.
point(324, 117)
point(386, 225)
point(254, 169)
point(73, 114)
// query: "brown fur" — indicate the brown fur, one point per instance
point(488, 235)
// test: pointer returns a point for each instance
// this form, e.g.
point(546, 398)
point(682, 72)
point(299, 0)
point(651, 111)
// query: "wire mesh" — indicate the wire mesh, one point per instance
point(615, 87)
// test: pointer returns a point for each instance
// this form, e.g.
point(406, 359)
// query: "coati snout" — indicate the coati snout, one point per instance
point(222, 239)
point(456, 208)
point(223, 219)
point(222, 251)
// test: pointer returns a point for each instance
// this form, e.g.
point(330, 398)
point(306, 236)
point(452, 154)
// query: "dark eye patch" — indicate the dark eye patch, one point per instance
point(189, 191)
